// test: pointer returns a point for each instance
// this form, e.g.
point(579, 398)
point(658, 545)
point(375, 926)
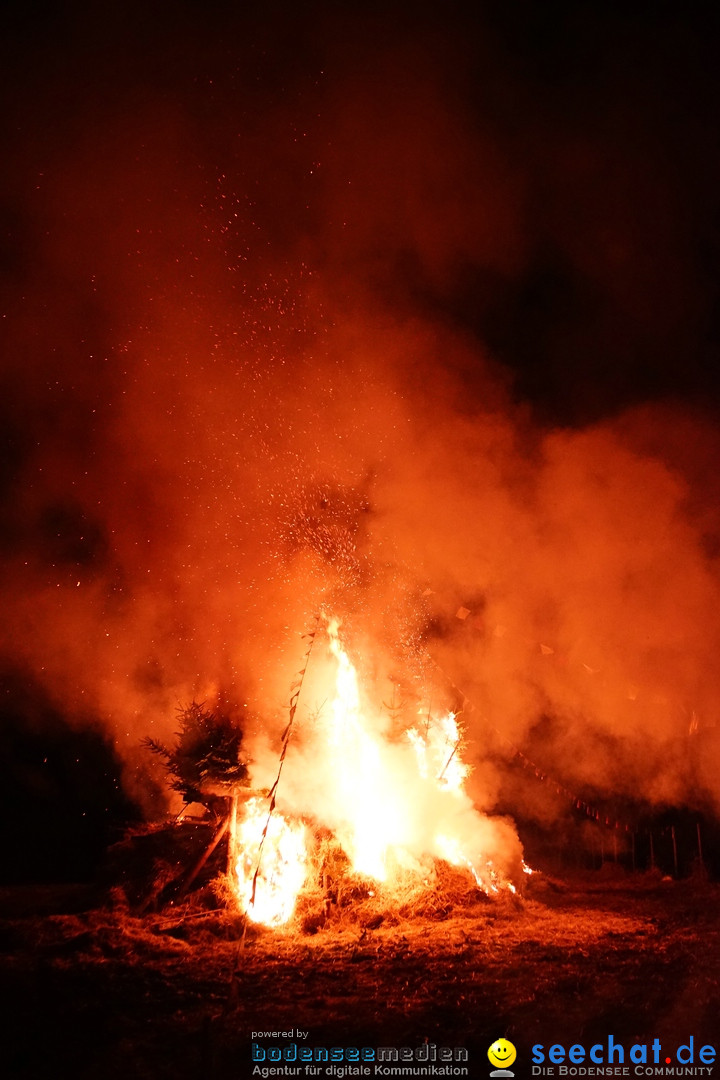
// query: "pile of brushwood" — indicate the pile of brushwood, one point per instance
point(155, 869)
point(186, 862)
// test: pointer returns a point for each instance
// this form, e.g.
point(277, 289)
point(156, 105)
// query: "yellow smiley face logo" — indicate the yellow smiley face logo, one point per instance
point(502, 1053)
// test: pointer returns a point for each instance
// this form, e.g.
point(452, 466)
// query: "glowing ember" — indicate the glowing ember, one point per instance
point(280, 862)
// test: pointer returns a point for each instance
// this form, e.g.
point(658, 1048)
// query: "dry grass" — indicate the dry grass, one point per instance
point(94, 989)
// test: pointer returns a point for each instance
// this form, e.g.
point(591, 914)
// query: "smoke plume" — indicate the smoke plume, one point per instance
point(356, 316)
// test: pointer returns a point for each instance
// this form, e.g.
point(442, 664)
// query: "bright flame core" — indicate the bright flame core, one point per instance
point(358, 773)
point(396, 802)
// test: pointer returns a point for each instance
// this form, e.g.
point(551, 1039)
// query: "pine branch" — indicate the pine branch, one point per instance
point(156, 747)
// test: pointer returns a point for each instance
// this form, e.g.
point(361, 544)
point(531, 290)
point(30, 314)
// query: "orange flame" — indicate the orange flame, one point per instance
point(437, 751)
point(395, 808)
point(275, 867)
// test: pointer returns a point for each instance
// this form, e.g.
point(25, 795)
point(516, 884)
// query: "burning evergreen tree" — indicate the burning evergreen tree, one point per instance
point(207, 752)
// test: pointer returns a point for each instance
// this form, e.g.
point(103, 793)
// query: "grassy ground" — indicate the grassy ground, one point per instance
point(95, 991)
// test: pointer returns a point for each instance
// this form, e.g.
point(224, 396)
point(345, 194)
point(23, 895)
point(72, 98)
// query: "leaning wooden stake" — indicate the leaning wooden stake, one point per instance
point(452, 755)
point(232, 838)
point(204, 857)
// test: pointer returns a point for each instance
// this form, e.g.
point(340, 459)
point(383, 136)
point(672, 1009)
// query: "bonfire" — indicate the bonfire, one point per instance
point(384, 824)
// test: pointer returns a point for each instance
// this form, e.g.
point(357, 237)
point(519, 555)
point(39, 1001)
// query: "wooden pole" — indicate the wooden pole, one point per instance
point(232, 836)
point(699, 839)
point(633, 851)
point(674, 844)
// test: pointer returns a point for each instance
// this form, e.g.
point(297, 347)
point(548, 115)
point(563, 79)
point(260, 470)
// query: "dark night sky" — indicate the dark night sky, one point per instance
point(603, 119)
point(529, 191)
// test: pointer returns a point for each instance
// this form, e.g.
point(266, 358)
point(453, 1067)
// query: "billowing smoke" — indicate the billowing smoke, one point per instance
point(359, 316)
